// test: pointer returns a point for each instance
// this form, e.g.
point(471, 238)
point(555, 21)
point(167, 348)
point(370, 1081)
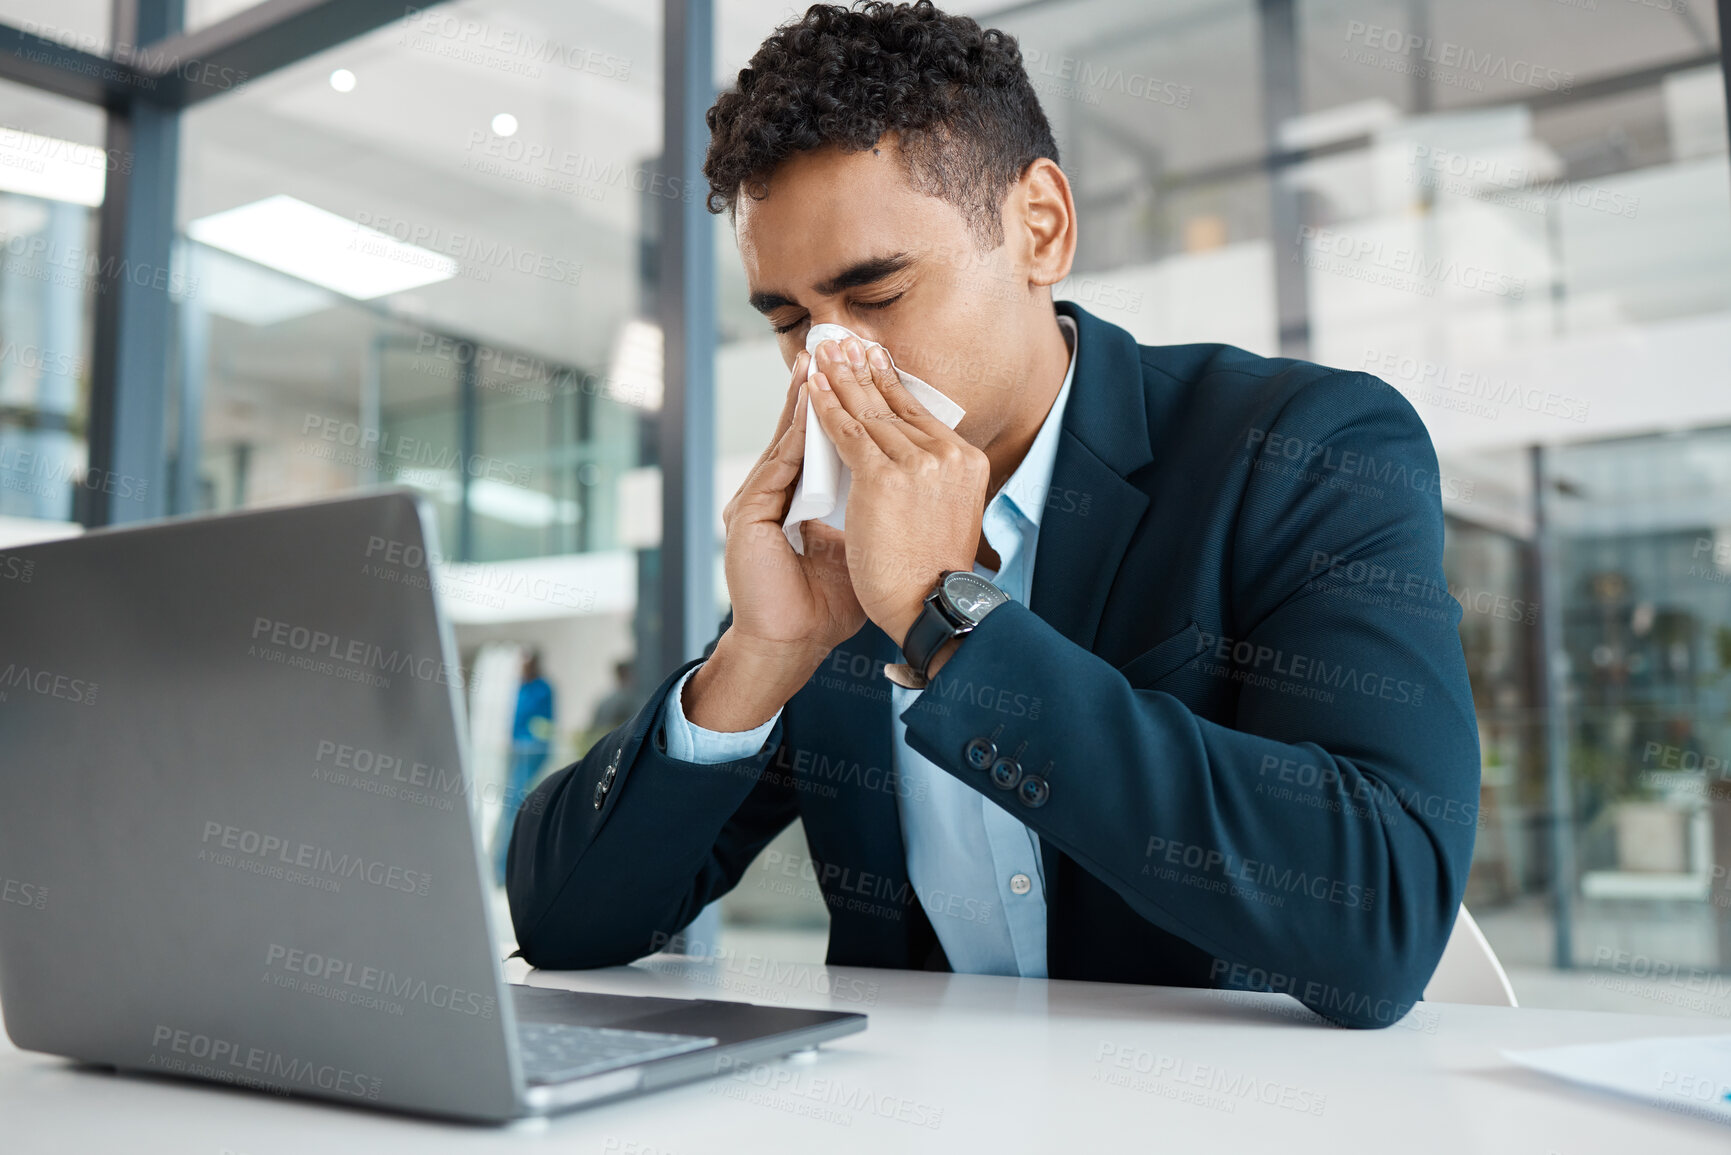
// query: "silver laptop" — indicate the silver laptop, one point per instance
point(238, 839)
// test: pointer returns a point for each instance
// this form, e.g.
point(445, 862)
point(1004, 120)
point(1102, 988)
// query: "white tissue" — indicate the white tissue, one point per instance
point(823, 480)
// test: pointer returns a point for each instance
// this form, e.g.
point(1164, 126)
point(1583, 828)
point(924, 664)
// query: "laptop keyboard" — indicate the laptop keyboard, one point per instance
point(558, 1053)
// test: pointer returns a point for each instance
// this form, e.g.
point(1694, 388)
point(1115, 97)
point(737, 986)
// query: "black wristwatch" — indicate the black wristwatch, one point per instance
point(958, 604)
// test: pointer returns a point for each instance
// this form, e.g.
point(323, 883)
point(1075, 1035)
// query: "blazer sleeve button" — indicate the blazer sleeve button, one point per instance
point(606, 784)
point(1033, 792)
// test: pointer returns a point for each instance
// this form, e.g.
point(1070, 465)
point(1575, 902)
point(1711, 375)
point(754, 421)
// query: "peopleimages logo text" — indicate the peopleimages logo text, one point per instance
point(354, 651)
point(1449, 54)
point(191, 1052)
point(47, 683)
point(276, 850)
point(1317, 459)
point(328, 969)
point(23, 893)
point(1302, 668)
point(438, 29)
point(1374, 254)
point(1257, 873)
point(393, 448)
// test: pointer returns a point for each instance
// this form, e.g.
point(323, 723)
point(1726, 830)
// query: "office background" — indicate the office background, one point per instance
point(265, 253)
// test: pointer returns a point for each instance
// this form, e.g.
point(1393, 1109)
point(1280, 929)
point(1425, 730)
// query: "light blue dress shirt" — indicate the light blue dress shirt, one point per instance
point(975, 867)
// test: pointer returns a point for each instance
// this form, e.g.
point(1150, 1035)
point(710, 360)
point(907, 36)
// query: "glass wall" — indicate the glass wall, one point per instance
point(438, 299)
point(1644, 527)
point(53, 168)
point(421, 258)
point(82, 24)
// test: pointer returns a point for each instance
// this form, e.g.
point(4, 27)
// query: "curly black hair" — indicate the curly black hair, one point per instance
point(957, 97)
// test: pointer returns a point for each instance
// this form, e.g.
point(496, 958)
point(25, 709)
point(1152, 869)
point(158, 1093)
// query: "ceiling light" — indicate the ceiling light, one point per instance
point(305, 241)
point(504, 125)
point(343, 80)
point(56, 170)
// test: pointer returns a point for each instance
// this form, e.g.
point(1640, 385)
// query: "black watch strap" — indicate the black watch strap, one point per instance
point(926, 636)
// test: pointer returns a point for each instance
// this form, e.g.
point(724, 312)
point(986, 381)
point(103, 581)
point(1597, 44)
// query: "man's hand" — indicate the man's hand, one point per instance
point(789, 610)
point(918, 491)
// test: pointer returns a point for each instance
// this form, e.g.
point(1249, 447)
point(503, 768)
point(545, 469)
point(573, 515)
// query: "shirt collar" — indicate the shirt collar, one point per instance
point(1026, 489)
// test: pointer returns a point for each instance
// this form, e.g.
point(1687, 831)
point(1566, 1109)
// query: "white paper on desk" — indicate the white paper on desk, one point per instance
point(1689, 1075)
point(823, 480)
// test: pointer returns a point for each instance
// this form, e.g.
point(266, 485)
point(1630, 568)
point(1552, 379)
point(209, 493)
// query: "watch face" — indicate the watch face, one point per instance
point(971, 595)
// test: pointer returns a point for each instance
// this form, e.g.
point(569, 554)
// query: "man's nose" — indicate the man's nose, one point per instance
point(839, 317)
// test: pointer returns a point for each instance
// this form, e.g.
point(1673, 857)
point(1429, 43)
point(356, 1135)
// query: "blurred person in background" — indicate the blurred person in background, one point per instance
point(531, 742)
point(619, 706)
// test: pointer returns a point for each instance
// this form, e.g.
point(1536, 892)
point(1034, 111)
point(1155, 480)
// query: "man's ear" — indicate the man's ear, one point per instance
point(1047, 214)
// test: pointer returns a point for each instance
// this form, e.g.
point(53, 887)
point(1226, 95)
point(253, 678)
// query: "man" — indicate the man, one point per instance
point(621, 702)
point(1211, 725)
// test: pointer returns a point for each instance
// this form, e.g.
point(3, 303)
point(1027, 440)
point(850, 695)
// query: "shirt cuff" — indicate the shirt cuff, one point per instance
point(687, 742)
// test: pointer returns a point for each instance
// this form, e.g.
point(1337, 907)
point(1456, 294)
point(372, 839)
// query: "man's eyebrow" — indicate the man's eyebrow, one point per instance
point(865, 272)
point(856, 275)
point(769, 302)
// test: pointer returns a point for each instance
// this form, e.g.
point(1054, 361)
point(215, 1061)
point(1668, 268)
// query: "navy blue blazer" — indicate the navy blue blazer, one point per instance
point(1239, 679)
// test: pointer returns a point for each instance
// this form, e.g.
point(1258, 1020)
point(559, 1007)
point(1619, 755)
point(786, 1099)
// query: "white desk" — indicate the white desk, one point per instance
point(962, 1064)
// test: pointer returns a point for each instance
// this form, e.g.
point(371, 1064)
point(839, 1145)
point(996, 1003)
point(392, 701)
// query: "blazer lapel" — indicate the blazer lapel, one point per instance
point(1091, 511)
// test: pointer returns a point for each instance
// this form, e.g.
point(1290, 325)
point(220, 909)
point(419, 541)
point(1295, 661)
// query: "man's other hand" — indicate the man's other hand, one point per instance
point(789, 610)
